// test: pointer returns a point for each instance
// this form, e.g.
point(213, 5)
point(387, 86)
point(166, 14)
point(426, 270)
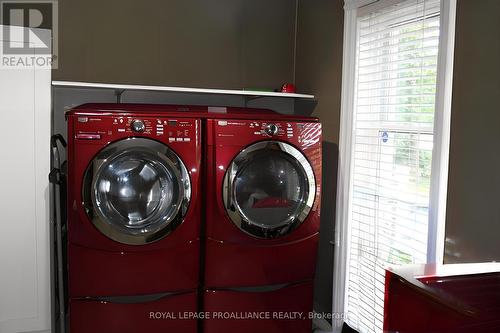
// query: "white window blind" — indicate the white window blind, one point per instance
point(395, 90)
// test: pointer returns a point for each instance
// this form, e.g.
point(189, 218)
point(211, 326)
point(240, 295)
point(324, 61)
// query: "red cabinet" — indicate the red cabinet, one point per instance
point(429, 299)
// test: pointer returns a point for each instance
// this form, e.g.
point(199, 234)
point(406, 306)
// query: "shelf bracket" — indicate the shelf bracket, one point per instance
point(249, 98)
point(118, 94)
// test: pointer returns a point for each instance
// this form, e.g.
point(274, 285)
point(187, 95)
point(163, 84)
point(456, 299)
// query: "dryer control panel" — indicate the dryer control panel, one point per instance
point(113, 127)
point(241, 132)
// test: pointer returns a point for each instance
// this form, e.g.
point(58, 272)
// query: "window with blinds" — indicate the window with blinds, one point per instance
point(395, 90)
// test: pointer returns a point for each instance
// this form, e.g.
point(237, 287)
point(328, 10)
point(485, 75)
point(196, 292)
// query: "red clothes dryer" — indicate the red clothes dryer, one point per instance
point(133, 220)
point(262, 221)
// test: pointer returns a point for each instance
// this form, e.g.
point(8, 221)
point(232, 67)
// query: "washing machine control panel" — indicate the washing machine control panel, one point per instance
point(113, 127)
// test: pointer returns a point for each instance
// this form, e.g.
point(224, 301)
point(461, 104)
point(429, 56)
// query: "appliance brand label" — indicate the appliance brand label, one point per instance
point(216, 109)
point(230, 123)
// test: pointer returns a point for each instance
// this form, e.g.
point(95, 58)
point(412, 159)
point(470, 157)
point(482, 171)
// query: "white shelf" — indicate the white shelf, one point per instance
point(178, 89)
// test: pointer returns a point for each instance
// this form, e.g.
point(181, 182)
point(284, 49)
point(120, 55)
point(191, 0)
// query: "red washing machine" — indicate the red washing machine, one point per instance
point(133, 220)
point(262, 222)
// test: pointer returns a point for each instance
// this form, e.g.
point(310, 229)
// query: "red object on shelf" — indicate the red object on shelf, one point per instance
point(421, 299)
point(288, 88)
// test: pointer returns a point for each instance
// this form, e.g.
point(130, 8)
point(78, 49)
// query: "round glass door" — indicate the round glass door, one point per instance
point(136, 191)
point(269, 189)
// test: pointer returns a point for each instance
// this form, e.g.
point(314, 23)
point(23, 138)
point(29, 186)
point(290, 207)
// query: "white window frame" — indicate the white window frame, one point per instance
point(440, 154)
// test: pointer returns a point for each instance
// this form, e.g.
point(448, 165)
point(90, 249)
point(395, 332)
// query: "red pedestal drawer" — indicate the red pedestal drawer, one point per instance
point(167, 314)
point(285, 310)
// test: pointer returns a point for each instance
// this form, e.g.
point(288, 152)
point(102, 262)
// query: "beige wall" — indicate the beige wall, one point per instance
point(473, 211)
point(318, 71)
point(319, 59)
point(200, 43)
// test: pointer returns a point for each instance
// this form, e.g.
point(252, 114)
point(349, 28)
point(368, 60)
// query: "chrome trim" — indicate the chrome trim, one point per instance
point(131, 299)
point(264, 288)
point(161, 225)
point(236, 214)
point(258, 289)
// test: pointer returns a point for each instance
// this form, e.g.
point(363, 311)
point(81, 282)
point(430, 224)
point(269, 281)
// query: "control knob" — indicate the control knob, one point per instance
point(271, 129)
point(138, 126)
